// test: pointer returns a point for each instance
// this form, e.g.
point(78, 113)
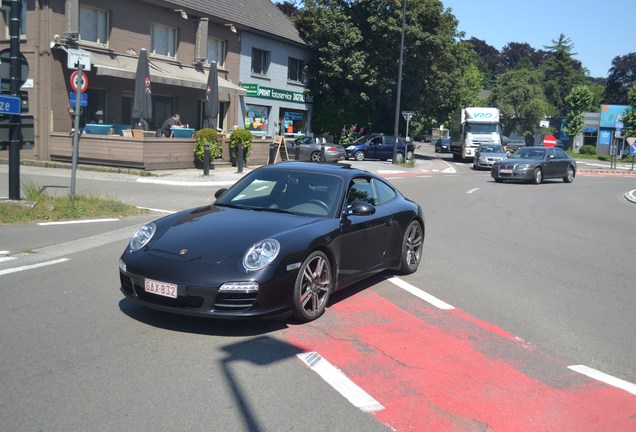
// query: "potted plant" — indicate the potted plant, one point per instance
point(203, 137)
point(240, 137)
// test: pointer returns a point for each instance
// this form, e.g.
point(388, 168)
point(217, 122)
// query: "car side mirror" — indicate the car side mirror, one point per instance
point(220, 192)
point(360, 208)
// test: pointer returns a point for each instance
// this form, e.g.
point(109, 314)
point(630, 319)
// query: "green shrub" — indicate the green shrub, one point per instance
point(244, 137)
point(206, 136)
point(587, 150)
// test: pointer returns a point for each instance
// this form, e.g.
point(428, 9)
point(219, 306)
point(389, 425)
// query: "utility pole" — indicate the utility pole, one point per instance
point(399, 86)
point(15, 129)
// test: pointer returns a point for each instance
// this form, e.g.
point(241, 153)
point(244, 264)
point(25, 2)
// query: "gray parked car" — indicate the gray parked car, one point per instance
point(310, 150)
point(487, 154)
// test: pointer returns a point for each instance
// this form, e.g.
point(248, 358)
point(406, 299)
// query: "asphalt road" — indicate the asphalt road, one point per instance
point(537, 278)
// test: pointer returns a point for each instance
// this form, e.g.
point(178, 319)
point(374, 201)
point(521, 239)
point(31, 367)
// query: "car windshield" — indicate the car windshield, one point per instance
point(491, 149)
point(529, 153)
point(482, 128)
point(297, 192)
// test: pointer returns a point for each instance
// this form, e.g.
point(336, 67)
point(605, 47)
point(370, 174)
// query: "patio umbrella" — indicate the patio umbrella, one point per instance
point(211, 105)
point(142, 103)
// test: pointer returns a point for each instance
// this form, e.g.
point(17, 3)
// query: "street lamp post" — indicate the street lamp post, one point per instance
point(399, 86)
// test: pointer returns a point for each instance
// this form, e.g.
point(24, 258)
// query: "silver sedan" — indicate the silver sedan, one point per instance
point(310, 150)
point(487, 154)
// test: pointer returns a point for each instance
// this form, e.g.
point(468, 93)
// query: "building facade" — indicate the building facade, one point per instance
point(182, 39)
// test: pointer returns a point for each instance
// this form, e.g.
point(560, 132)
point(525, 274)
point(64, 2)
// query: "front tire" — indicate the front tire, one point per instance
point(412, 248)
point(537, 176)
point(569, 175)
point(312, 288)
point(359, 155)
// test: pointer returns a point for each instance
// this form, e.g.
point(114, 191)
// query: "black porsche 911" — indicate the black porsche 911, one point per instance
point(277, 243)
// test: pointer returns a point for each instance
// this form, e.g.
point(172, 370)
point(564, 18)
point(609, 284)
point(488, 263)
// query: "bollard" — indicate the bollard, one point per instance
point(297, 151)
point(239, 157)
point(322, 152)
point(206, 160)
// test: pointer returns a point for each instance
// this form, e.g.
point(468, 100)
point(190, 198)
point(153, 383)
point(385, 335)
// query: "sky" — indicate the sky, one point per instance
point(598, 30)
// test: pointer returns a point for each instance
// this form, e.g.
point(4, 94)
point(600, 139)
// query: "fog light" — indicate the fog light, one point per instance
point(240, 287)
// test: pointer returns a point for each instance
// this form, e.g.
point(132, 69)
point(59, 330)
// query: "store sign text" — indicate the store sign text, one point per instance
point(255, 90)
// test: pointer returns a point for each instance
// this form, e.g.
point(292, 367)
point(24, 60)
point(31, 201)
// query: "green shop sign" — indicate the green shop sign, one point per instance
point(255, 90)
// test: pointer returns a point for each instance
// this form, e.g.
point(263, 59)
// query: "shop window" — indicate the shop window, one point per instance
point(216, 51)
point(6, 12)
point(93, 25)
point(260, 61)
point(257, 119)
point(293, 123)
point(163, 40)
point(296, 70)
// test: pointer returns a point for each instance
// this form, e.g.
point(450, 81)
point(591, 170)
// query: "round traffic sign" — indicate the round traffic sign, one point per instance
point(549, 141)
point(79, 82)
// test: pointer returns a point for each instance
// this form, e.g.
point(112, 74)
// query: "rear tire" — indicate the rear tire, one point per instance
point(399, 157)
point(315, 156)
point(569, 175)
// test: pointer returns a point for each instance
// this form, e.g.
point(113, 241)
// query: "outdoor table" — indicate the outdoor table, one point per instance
point(97, 128)
point(178, 132)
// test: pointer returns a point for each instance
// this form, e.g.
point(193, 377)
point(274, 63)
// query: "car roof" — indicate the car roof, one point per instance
point(343, 170)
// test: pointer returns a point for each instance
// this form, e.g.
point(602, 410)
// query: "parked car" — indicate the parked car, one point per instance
point(425, 137)
point(443, 145)
point(534, 164)
point(280, 241)
point(379, 147)
point(487, 154)
point(310, 150)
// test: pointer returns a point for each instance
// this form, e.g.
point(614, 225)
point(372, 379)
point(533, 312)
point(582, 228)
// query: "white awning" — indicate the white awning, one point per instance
point(121, 66)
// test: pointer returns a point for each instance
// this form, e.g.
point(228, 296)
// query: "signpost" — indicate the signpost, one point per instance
point(632, 149)
point(408, 115)
point(79, 83)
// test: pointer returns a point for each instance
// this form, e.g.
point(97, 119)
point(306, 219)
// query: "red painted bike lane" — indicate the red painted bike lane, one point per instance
point(438, 370)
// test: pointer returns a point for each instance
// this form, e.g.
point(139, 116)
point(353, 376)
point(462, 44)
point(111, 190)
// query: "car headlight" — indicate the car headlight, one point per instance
point(350, 148)
point(522, 167)
point(261, 254)
point(142, 237)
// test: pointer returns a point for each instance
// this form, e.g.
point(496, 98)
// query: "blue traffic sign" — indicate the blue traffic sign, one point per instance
point(10, 105)
point(73, 99)
point(632, 149)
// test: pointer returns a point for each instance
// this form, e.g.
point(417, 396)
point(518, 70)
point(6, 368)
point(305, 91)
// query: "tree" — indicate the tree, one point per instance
point(492, 64)
point(629, 118)
point(579, 100)
point(561, 72)
point(289, 8)
point(519, 96)
point(515, 52)
point(354, 76)
point(622, 77)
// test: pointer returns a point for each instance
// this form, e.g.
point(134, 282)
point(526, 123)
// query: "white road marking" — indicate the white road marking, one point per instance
point(186, 183)
point(3, 259)
point(603, 377)
point(157, 210)
point(472, 190)
point(84, 221)
point(340, 382)
point(32, 266)
point(450, 169)
point(419, 293)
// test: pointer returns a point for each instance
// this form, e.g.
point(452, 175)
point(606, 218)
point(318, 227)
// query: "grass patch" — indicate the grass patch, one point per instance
point(40, 207)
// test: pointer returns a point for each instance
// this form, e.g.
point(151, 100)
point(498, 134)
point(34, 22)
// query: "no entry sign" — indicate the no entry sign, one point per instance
point(549, 141)
point(79, 82)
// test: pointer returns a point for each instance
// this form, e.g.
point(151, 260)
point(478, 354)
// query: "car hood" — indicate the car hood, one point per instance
point(215, 234)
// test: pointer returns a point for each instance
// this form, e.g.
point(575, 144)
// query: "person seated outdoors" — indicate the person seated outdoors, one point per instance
point(174, 121)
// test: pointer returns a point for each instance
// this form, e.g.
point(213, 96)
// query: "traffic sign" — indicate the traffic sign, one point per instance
point(10, 105)
point(78, 57)
point(408, 115)
point(73, 99)
point(77, 82)
point(549, 141)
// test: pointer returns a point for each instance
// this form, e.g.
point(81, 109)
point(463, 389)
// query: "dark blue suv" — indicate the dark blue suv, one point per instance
point(379, 147)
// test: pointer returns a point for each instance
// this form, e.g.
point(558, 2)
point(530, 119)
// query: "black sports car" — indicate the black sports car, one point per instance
point(278, 242)
point(534, 164)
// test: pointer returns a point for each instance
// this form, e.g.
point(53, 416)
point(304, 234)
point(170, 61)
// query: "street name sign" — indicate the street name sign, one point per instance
point(10, 105)
point(78, 57)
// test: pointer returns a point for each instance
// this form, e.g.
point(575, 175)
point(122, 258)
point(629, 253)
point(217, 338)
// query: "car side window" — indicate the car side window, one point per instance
point(361, 189)
point(376, 141)
point(385, 193)
point(560, 154)
point(551, 154)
